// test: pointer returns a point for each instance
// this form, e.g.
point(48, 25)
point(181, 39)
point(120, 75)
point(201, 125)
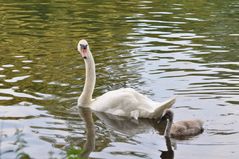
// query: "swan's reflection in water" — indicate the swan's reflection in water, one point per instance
point(127, 126)
point(132, 127)
point(89, 145)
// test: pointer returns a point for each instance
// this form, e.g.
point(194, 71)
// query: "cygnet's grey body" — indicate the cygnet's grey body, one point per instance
point(181, 128)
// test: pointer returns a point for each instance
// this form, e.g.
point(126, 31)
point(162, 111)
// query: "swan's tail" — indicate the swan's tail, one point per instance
point(161, 107)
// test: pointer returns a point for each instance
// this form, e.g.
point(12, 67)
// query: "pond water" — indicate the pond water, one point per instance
point(187, 49)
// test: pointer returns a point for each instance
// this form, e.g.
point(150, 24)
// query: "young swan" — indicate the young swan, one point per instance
point(181, 128)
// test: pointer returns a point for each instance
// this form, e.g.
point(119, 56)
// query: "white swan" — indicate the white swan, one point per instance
point(122, 102)
point(181, 129)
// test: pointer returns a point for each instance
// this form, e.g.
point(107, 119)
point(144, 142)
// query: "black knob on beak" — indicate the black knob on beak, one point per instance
point(83, 46)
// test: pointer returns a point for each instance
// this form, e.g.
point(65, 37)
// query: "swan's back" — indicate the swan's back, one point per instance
point(130, 103)
point(186, 128)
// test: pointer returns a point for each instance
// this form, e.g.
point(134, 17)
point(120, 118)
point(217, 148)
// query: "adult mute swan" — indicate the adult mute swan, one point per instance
point(122, 102)
point(181, 128)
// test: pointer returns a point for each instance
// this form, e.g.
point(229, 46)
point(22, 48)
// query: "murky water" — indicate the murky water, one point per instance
point(188, 49)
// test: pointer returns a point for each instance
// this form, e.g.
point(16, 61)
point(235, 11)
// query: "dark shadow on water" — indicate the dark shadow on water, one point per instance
point(169, 154)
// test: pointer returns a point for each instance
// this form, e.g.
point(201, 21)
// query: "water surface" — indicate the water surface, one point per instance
point(162, 49)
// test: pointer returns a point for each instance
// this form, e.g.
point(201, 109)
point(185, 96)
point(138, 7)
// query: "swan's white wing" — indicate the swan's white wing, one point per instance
point(125, 99)
point(126, 102)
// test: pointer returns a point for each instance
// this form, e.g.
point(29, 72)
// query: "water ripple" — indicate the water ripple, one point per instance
point(16, 79)
point(188, 49)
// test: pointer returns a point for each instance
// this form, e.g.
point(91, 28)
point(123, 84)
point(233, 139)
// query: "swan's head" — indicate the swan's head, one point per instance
point(83, 48)
point(167, 114)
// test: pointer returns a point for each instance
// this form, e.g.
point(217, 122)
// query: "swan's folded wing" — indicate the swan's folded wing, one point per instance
point(161, 107)
point(128, 102)
point(123, 102)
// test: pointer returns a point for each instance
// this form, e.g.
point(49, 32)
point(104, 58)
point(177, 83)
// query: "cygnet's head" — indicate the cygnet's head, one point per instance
point(167, 114)
point(83, 48)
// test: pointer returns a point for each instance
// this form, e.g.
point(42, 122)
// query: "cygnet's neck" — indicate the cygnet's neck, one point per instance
point(168, 126)
point(86, 96)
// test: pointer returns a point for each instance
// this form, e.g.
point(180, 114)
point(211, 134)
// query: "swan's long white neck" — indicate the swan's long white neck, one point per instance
point(168, 128)
point(86, 96)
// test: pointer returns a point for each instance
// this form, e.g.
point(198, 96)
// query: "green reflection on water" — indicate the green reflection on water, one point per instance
point(135, 44)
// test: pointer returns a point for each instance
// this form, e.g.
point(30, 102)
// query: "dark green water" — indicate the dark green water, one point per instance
point(160, 48)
